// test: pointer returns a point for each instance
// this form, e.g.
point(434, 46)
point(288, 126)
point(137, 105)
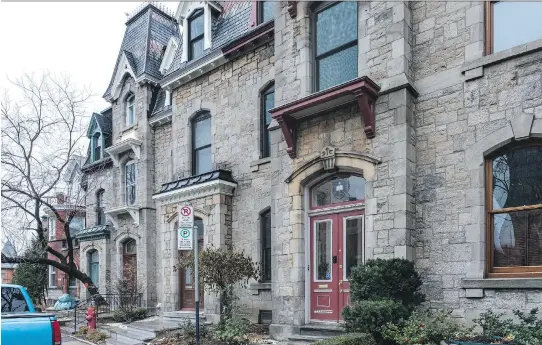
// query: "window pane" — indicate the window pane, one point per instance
point(196, 49)
point(202, 132)
point(322, 250)
point(203, 161)
point(269, 103)
point(196, 24)
point(201, 230)
point(516, 23)
point(13, 300)
point(353, 249)
point(130, 246)
point(336, 26)
point(516, 178)
point(339, 190)
point(517, 238)
point(268, 9)
point(266, 246)
point(338, 68)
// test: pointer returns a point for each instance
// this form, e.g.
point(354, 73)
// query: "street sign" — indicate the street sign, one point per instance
point(186, 217)
point(185, 239)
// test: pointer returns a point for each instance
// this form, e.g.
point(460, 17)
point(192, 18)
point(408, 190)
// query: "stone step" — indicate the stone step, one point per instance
point(322, 329)
point(182, 315)
point(305, 339)
point(136, 334)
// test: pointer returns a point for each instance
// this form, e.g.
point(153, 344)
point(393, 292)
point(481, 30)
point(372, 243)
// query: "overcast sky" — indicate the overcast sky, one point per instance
point(82, 39)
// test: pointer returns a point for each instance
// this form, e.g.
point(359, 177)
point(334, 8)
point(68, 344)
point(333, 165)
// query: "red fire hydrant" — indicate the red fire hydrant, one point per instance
point(90, 316)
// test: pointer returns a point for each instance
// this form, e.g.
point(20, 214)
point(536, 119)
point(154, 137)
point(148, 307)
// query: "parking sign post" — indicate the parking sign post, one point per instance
point(196, 282)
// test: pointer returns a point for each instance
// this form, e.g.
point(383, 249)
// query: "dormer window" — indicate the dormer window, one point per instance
point(195, 35)
point(130, 110)
point(265, 11)
point(97, 147)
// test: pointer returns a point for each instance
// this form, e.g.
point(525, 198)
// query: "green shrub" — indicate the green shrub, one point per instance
point(349, 339)
point(232, 331)
point(529, 331)
point(394, 279)
point(188, 329)
point(129, 315)
point(82, 331)
point(371, 316)
point(422, 328)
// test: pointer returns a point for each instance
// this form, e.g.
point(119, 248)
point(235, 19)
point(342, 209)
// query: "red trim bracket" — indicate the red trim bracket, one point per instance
point(362, 90)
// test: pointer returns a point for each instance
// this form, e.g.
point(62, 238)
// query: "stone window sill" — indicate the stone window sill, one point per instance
point(502, 283)
point(475, 69)
point(257, 287)
point(255, 165)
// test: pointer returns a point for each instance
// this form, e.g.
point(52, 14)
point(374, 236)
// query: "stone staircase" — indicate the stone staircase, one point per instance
point(313, 332)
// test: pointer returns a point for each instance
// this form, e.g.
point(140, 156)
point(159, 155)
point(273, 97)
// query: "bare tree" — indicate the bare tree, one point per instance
point(43, 133)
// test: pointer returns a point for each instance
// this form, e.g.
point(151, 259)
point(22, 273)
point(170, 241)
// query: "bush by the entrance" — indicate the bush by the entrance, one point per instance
point(382, 291)
point(349, 339)
point(135, 314)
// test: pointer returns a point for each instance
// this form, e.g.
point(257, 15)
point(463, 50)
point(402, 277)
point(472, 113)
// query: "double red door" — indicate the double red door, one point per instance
point(337, 245)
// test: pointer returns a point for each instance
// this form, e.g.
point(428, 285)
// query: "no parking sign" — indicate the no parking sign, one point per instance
point(186, 224)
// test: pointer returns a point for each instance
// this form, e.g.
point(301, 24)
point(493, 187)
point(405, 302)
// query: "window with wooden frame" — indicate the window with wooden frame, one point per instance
point(195, 35)
point(201, 144)
point(335, 27)
point(509, 24)
point(265, 11)
point(267, 100)
point(265, 239)
point(97, 147)
point(100, 213)
point(514, 211)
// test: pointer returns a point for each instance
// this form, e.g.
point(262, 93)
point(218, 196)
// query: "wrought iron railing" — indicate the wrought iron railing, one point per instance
point(105, 303)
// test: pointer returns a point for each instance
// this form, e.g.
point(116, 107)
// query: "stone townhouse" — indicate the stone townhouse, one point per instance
point(317, 135)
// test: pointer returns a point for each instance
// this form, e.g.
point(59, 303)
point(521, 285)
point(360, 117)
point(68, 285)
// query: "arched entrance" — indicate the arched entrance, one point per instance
point(186, 281)
point(336, 223)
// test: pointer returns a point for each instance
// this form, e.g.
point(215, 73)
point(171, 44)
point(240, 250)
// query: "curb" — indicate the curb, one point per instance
point(78, 339)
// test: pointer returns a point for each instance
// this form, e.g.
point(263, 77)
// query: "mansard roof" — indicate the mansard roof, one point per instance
point(146, 36)
point(104, 120)
point(232, 23)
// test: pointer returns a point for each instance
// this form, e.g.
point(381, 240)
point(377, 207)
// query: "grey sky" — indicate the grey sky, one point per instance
point(79, 38)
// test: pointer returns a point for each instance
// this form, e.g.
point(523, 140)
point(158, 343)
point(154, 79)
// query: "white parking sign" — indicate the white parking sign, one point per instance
point(185, 239)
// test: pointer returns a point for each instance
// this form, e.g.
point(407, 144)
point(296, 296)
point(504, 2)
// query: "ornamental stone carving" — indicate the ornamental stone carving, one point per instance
point(328, 158)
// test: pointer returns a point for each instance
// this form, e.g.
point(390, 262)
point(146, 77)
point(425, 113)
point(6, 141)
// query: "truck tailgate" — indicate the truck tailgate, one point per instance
point(27, 328)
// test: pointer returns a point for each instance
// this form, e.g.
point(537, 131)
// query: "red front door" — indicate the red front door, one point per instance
point(336, 247)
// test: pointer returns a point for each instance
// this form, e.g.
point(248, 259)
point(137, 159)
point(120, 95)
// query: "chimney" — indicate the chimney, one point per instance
point(60, 198)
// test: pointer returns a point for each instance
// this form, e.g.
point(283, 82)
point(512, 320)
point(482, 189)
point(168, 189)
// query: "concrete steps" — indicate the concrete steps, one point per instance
point(314, 332)
point(139, 332)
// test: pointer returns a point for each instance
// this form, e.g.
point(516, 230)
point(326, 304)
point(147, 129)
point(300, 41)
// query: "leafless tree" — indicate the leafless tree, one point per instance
point(43, 131)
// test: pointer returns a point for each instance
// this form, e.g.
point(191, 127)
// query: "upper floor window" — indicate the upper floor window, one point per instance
point(100, 214)
point(130, 181)
point(514, 211)
point(338, 190)
point(130, 110)
point(52, 228)
point(509, 24)
point(265, 11)
point(336, 46)
point(265, 228)
point(267, 99)
point(52, 277)
point(201, 144)
point(96, 147)
point(195, 34)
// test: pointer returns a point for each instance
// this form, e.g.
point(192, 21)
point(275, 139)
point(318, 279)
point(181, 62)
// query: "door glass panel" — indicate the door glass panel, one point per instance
point(338, 190)
point(322, 250)
point(353, 249)
point(187, 277)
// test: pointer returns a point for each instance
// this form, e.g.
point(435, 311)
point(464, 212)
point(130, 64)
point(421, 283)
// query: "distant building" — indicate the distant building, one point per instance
point(8, 269)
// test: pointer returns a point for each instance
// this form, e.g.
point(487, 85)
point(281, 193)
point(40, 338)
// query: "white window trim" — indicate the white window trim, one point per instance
point(52, 271)
point(185, 13)
point(132, 162)
point(169, 54)
point(130, 99)
point(52, 228)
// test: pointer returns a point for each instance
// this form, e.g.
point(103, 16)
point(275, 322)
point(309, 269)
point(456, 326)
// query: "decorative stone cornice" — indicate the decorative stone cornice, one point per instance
point(113, 213)
point(128, 143)
point(196, 192)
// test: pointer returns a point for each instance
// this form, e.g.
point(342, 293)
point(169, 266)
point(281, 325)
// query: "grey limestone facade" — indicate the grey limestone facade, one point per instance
point(427, 107)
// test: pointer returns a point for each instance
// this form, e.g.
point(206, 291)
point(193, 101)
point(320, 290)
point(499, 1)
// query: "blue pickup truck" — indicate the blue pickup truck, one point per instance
point(21, 324)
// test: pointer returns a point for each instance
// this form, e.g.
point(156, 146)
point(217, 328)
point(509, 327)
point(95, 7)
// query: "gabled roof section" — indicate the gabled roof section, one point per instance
point(147, 33)
point(103, 120)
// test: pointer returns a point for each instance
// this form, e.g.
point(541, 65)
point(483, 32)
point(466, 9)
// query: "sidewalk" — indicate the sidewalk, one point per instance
point(67, 340)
